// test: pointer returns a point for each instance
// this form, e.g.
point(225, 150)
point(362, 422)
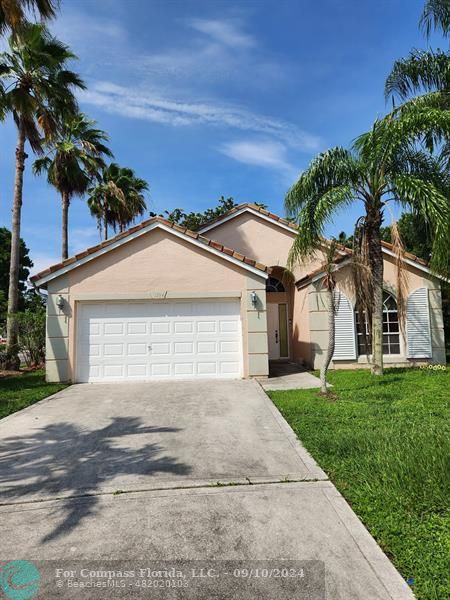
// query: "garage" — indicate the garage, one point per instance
point(155, 302)
point(138, 341)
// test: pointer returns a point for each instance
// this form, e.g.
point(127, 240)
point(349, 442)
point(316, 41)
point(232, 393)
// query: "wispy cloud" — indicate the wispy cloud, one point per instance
point(227, 32)
point(81, 238)
point(152, 106)
point(267, 154)
point(42, 260)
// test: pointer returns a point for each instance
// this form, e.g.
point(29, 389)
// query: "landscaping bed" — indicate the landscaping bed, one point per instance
point(385, 443)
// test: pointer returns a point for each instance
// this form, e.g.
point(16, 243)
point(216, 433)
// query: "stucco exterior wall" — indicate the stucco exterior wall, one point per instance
point(415, 278)
point(253, 236)
point(154, 266)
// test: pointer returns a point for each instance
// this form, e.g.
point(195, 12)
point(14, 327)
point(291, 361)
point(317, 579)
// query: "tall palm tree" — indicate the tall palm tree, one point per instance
point(118, 199)
point(383, 165)
point(13, 13)
point(74, 157)
point(38, 91)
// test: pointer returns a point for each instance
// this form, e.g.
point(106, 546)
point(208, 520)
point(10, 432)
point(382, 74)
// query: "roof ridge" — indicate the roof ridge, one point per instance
point(254, 207)
point(175, 226)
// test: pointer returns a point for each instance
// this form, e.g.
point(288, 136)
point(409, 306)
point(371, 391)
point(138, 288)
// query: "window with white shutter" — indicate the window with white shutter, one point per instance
point(345, 343)
point(418, 332)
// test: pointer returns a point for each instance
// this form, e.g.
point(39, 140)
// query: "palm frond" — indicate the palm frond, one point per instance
point(421, 71)
point(425, 199)
point(436, 16)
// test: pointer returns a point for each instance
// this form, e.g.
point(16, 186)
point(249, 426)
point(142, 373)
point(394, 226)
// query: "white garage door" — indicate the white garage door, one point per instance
point(154, 340)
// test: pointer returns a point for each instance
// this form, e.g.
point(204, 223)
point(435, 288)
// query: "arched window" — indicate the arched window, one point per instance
point(391, 330)
point(274, 285)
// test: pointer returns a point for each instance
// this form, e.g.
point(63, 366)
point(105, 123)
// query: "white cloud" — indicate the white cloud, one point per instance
point(226, 32)
point(152, 106)
point(268, 154)
point(79, 29)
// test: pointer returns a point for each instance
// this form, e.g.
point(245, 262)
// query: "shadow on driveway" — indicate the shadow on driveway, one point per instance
point(64, 459)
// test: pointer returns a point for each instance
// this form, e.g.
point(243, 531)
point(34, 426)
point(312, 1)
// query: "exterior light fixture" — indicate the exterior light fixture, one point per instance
point(254, 299)
point(60, 302)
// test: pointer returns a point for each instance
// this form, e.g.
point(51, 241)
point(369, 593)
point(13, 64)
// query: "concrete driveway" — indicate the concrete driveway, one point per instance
point(195, 472)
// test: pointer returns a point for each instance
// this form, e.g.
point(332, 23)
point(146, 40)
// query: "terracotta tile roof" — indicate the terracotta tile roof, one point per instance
point(256, 208)
point(192, 234)
point(407, 255)
point(346, 253)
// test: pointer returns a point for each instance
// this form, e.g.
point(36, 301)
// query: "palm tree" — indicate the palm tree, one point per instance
point(383, 165)
point(118, 199)
point(74, 157)
point(38, 91)
point(329, 283)
point(424, 71)
point(13, 12)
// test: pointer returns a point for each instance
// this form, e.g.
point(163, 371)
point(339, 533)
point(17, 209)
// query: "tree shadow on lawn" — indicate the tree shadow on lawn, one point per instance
point(64, 459)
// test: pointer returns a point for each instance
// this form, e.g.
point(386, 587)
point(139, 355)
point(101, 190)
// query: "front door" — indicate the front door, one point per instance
point(277, 331)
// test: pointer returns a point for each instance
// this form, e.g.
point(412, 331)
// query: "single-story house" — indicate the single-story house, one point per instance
point(159, 301)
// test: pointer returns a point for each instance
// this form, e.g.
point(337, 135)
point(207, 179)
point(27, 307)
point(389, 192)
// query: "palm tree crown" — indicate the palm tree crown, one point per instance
point(13, 13)
point(424, 71)
point(38, 86)
point(74, 158)
point(118, 199)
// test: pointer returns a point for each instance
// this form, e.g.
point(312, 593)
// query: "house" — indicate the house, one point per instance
point(160, 301)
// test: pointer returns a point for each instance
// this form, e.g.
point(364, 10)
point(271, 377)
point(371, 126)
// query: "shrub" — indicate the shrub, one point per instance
point(31, 329)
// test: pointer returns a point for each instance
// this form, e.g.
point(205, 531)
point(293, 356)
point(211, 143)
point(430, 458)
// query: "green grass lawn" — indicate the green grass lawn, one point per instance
point(19, 391)
point(385, 443)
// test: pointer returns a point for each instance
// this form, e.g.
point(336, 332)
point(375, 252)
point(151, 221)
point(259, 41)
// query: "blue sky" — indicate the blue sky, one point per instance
point(210, 98)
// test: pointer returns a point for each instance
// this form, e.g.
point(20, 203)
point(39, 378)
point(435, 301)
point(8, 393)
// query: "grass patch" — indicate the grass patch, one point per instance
point(385, 443)
point(19, 391)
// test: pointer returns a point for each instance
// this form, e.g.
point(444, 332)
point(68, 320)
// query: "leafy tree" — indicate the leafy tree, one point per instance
point(383, 165)
point(117, 199)
point(38, 92)
point(25, 264)
point(196, 220)
point(13, 13)
point(74, 157)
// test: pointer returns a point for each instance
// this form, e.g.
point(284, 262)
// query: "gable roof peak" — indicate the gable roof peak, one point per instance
point(253, 209)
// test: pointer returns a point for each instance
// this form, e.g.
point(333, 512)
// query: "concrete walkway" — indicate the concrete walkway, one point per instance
point(116, 477)
point(289, 376)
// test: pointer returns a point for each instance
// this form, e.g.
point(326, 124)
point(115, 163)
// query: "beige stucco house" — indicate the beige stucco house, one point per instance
point(159, 301)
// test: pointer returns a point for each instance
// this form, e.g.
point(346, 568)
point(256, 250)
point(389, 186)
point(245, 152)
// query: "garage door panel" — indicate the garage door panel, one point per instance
point(137, 349)
point(139, 341)
point(137, 371)
point(137, 328)
point(160, 348)
point(206, 327)
point(158, 328)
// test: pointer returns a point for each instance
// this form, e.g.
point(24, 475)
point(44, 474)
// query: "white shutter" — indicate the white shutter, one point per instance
point(418, 333)
point(345, 343)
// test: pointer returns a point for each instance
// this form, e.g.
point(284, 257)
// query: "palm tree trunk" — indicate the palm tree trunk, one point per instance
point(65, 225)
point(105, 227)
point(374, 220)
point(331, 342)
point(13, 291)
